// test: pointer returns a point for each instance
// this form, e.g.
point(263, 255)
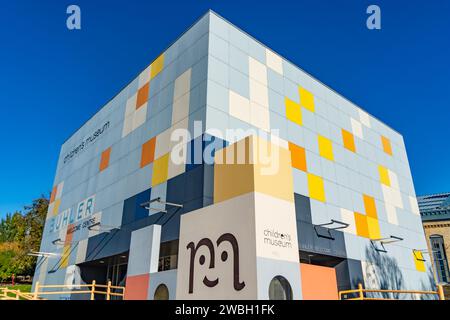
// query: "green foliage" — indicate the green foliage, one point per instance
point(21, 233)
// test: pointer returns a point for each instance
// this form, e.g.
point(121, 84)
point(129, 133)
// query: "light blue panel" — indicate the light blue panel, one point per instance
point(197, 121)
point(275, 81)
point(331, 192)
point(144, 250)
point(279, 123)
point(243, 129)
point(199, 72)
point(256, 50)
point(345, 198)
point(218, 26)
point(311, 141)
point(277, 103)
point(323, 126)
point(295, 134)
point(133, 87)
point(300, 182)
point(291, 90)
point(163, 120)
point(218, 71)
point(167, 75)
point(239, 39)
point(313, 163)
point(309, 120)
point(217, 120)
point(238, 59)
point(218, 96)
point(239, 83)
point(218, 47)
point(168, 278)
point(197, 97)
point(319, 212)
point(267, 269)
point(138, 181)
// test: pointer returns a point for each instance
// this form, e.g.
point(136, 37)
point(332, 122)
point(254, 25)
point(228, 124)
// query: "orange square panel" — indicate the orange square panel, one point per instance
point(136, 287)
point(148, 152)
point(104, 161)
point(298, 156)
point(349, 140)
point(318, 282)
point(386, 145)
point(142, 95)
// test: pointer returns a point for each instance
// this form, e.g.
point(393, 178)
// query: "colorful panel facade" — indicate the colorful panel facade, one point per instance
point(216, 121)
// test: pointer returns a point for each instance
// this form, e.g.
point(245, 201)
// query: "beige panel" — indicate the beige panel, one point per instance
point(237, 217)
point(267, 169)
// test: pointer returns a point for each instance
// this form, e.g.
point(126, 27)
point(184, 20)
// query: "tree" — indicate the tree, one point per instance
point(21, 233)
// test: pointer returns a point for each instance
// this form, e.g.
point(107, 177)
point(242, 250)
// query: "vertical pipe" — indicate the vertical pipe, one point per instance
point(441, 292)
point(93, 290)
point(108, 291)
point(36, 290)
point(360, 289)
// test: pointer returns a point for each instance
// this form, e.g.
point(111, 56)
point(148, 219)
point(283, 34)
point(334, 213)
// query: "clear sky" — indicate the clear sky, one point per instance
point(52, 79)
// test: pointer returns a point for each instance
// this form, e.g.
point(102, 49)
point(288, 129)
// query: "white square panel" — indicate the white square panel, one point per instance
point(259, 93)
point(239, 106)
point(274, 61)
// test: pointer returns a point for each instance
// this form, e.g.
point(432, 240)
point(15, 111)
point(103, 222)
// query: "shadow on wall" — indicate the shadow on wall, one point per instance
point(382, 272)
point(428, 285)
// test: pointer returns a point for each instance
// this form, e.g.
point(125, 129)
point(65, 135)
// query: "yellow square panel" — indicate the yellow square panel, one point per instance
point(56, 204)
point(374, 228)
point(384, 175)
point(306, 99)
point(316, 188)
point(369, 205)
point(420, 265)
point(160, 169)
point(293, 111)
point(362, 228)
point(326, 148)
point(65, 256)
point(157, 66)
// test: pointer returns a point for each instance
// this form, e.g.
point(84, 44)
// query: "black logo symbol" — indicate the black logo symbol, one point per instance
point(226, 237)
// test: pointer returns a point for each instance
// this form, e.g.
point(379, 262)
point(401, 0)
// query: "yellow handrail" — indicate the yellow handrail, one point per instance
point(92, 289)
point(361, 291)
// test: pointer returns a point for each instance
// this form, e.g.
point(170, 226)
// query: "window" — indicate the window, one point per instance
point(440, 258)
point(161, 292)
point(280, 289)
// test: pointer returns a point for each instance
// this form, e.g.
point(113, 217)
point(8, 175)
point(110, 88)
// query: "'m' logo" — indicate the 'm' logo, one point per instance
point(226, 237)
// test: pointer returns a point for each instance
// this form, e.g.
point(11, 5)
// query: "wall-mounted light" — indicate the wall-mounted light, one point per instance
point(383, 241)
point(147, 204)
point(332, 225)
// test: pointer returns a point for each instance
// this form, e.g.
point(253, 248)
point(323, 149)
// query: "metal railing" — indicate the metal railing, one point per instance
point(108, 290)
point(12, 294)
point(92, 289)
point(360, 293)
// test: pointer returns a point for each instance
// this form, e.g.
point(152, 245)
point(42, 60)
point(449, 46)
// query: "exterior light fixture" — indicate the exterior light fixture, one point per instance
point(332, 225)
point(146, 205)
point(101, 227)
point(383, 241)
point(43, 254)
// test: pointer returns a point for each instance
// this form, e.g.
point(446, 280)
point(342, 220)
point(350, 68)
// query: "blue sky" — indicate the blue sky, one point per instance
point(52, 79)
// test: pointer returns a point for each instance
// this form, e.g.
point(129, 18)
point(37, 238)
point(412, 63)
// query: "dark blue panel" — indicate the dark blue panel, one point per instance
point(132, 209)
point(302, 208)
point(202, 149)
point(309, 240)
point(141, 198)
point(194, 184)
point(129, 208)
